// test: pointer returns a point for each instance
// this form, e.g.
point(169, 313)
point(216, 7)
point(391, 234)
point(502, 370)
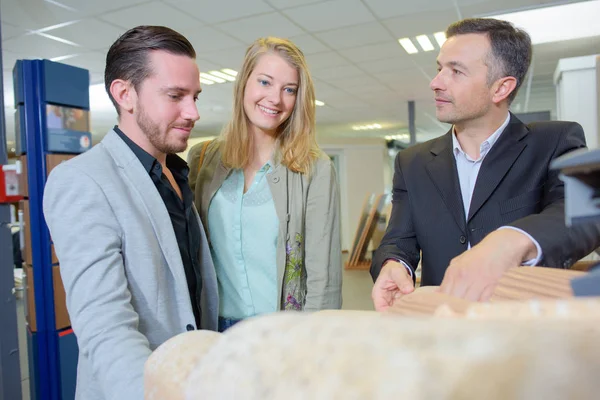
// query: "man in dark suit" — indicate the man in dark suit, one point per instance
point(481, 198)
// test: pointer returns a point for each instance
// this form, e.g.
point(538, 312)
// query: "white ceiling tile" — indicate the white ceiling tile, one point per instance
point(208, 39)
point(252, 28)
point(355, 36)
point(205, 65)
point(344, 71)
point(308, 44)
point(94, 61)
point(418, 24)
point(357, 86)
point(230, 58)
point(325, 60)
point(10, 31)
point(393, 8)
point(92, 8)
point(30, 16)
point(283, 4)
point(373, 52)
point(397, 63)
point(35, 46)
point(330, 15)
point(213, 12)
point(90, 33)
point(155, 13)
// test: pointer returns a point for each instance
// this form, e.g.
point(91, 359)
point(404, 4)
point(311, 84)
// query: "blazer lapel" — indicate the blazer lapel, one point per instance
point(443, 173)
point(498, 162)
point(152, 202)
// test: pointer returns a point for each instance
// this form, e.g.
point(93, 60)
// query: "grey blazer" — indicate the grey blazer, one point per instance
point(120, 264)
point(309, 206)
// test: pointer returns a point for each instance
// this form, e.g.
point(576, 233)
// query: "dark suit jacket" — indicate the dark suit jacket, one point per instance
point(514, 187)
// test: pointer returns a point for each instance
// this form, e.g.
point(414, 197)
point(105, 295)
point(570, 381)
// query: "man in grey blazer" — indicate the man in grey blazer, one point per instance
point(481, 198)
point(133, 255)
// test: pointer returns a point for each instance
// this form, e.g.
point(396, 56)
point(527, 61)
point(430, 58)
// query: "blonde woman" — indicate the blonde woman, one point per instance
point(267, 194)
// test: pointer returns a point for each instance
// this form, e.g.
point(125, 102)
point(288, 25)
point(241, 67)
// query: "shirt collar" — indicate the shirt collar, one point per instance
point(485, 146)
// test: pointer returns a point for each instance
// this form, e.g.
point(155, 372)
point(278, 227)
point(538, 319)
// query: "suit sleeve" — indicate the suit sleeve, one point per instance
point(88, 241)
point(400, 240)
point(323, 249)
point(561, 246)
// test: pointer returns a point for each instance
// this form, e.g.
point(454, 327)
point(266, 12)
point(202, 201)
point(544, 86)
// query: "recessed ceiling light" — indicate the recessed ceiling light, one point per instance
point(62, 58)
point(211, 77)
point(425, 43)
point(222, 75)
point(440, 38)
point(229, 71)
point(206, 81)
point(408, 45)
point(58, 39)
point(319, 103)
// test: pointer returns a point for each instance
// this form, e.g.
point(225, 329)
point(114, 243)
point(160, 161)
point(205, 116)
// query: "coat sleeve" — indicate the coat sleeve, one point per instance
point(561, 246)
point(323, 250)
point(400, 240)
point(88, 241)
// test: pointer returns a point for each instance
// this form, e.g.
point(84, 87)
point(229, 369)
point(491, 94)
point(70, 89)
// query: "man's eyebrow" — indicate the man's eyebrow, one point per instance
point(178, 89)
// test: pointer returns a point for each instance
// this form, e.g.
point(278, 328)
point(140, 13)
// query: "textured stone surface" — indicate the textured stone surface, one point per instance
point(365, 355)
point(166, 371)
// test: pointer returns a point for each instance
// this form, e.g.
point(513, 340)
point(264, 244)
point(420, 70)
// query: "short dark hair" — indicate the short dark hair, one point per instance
point(511, 47)
point(127, 58)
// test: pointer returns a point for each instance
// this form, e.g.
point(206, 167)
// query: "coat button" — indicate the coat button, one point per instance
point(275, 179)
point(189, 327)
point(463, 239)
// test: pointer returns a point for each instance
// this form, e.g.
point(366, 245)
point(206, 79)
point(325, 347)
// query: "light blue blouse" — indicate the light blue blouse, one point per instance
point(243, 229)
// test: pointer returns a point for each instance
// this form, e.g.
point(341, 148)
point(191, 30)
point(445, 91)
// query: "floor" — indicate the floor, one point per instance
point(356, 292)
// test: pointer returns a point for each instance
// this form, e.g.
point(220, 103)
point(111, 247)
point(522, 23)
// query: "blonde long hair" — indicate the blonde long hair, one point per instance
point(297, 135)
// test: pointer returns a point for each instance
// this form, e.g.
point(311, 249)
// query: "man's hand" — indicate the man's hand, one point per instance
point(474, 274)
point(393, 282)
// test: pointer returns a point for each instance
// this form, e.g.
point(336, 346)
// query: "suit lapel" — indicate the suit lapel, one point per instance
point(498, 162)
point(443, 173)
point(152, 202)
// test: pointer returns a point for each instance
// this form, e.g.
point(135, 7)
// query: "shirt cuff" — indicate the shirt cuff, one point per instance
point(403, 263)
point(533, 261)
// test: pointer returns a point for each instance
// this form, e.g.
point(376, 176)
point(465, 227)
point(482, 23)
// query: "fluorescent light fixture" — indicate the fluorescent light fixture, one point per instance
point(57, 26)
point(425, 43)
point(440, 38)
point(229, 72)
point(222, 75)
point(206, 81)
point(408, 45)
point(366, 127)
point(62, 58)
point(211, 78)
point(319, 103)
point(61, 5)
point(557, 23)
point(58, 39)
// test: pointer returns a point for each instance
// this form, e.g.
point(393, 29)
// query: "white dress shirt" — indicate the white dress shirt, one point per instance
point(468, 170)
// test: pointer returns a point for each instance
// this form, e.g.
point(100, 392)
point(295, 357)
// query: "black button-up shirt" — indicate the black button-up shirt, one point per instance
point(183, 217)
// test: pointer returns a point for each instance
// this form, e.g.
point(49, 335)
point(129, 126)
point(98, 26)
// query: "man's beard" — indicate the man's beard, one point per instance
point(157, 138)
